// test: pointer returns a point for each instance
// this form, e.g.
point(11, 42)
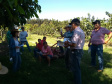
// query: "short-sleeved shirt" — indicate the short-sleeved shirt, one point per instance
point(97, 37)
point(23, 35)
point(39, 46)
point(48, 49)
point(68, 34)
point(78, 38)
point(17, 44)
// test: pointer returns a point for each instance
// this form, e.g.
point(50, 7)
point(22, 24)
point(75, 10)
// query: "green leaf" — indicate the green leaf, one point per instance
point(9, 12)
point(16, 1)
point(10, 3)
point(21, 10)
point(0, 1)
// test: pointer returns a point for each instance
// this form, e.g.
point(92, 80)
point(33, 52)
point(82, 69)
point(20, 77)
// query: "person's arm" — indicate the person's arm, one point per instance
point(26, 34)
point(109, 37)
point(53, 45)
point(72, 44)
point(62, 35)
point(89, 43)
point(12, 45)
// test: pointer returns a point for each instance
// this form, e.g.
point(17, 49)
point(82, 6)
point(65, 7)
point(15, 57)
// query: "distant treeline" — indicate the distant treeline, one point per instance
point(52, 27)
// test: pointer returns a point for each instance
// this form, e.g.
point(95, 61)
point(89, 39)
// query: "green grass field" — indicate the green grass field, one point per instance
point(34, 72)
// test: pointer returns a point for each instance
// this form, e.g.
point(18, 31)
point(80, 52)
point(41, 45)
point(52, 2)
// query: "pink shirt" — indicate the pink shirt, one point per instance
point(48, 49)
point(97, 37)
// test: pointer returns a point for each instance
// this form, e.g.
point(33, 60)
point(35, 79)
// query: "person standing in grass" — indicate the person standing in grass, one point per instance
point(76, 46)
point(96, 42)
point(14, 48)
point(23, 40)
point(38, 48)
point(46, 53)
point(68, 35)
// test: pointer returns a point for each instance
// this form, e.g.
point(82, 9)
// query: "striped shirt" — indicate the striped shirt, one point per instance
point(97, 37)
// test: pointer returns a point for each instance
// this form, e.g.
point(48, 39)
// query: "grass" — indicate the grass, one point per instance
point(32, 72)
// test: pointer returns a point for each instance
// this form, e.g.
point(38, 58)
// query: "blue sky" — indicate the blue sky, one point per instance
point(68, 9)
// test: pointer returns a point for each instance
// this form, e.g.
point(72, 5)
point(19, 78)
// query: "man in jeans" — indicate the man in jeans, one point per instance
point(77, 43)
point(96, 42)
point(22, 36)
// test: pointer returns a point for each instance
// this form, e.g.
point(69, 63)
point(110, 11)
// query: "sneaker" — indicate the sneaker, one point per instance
point(100, 70)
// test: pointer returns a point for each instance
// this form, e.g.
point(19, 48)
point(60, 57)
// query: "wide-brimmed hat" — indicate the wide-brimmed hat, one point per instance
point(3, 69)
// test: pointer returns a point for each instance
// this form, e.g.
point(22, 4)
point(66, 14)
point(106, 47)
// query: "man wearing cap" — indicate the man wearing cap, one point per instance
point(77, 43)
point(96, 42)
point(22, 36)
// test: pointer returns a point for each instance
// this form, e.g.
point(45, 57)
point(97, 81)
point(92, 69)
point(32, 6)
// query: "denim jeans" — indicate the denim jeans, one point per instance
point(75, 59)
point(97, 49)
point(22, 42)
point(35, 52)
point(67, 58)
point(61, 49)
point(16, 62)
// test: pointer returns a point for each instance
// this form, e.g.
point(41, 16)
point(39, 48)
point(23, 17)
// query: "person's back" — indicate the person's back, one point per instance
point(23, 35)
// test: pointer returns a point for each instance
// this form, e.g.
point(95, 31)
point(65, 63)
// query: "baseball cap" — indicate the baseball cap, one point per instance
point(96, 22)
point(76, 21)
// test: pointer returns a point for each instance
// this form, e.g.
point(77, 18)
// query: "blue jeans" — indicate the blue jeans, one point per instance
point(67, 58)
point(35, 52)
point(16, 62)
point(75, 59)
point(22, 42)
point(61, 49)
point(97, 49)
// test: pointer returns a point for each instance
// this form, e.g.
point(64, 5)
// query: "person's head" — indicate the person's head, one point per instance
point(96, 24)
point(75, 23)
point(22, 28)
point(71, 29)
point(44, 38)
point(45, 44)
point(39, 40)
point(15, 33)
point(67, 28)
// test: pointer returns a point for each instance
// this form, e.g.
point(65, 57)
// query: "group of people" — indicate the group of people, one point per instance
point(74, 39)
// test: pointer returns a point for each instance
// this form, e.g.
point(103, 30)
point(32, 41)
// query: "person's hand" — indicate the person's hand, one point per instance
point(17, 47)
point(89, 45)
point(106, 42)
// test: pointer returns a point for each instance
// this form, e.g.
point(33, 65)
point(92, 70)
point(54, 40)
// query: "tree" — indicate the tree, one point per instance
point(16, 12)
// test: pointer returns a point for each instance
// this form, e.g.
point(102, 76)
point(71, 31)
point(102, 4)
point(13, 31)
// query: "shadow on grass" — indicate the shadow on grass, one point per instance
point(34, 72)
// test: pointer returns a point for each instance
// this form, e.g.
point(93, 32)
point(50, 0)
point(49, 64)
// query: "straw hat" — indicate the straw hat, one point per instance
point(3, 69)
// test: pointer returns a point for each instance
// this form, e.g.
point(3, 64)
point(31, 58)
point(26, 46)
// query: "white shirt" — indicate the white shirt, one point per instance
point(17, 44)
point(23, 36)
